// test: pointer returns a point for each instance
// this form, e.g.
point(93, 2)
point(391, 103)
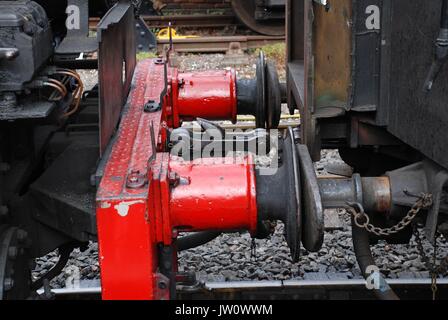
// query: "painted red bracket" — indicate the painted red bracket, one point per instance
point(146, 197)
point(127, 246)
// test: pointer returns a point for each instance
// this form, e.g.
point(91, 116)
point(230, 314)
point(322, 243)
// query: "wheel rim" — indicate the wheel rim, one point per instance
point(244, 9)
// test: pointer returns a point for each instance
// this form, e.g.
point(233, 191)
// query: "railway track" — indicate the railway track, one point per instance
point(218, 44)
point(186, 21)
point(209, 44)
point(193, 21)
point(407, 289)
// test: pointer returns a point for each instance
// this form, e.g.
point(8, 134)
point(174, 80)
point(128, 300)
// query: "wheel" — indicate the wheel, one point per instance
point(246, 12)
point(15, 274)
point(274, 99)
point(261, 105)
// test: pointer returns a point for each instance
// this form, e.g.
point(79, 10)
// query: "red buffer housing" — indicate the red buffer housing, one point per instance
point(210, 95)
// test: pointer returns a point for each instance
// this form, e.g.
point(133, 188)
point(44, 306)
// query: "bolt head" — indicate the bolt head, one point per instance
point(174, 178)
point(167, 265)
point(13, 252)
point(136, 180)
point(8, 284)
point(162, 285)
point(4, 211)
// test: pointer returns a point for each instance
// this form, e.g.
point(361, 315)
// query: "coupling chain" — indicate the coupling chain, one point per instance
point(432, 267)
point(362, 220)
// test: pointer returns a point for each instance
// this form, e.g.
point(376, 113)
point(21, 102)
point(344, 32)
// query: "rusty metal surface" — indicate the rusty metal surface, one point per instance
point(332, 54)
point(219, 44)
point(377, 193)
point(373, 193)
point(294, 30)
point(116, 64)
point(190, 21)
point(309, 133)
point(313, 213)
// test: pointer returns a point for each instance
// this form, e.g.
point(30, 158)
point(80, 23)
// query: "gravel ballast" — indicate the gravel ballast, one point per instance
point(229, 257)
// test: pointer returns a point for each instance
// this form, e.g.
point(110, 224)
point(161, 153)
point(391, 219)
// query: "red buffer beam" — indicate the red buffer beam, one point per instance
point(145, 197)
point(127, 246)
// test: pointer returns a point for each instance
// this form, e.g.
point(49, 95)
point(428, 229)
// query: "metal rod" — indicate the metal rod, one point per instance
point(373, 193)
point(266, 285)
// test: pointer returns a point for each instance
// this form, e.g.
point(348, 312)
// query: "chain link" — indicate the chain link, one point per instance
point(432, 267)
point(362, 220)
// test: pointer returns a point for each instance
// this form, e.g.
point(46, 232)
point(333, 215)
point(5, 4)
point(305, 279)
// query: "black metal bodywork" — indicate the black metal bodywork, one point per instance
point(363, 92)
point(30, 36)
point(416, 117)
point(389, 54)
point(48, 162)
point(262, 16)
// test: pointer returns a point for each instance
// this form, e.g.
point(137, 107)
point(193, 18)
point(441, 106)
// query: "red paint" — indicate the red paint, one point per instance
point(210, 194)
point(127, 254)
point(127, 246)
point(209, 95)
point(214, 195)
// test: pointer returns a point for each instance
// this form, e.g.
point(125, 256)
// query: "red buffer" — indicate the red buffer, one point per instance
point(209, 95)
point(219, 95)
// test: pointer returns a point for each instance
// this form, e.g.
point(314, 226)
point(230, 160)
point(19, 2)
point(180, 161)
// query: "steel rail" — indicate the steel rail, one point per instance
point(219, 44)
point(185, 21)
point(289, 288)
point(211, 44)
point(192, 21)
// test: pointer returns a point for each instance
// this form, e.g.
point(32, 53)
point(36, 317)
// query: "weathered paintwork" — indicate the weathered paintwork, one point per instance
point(146, 197)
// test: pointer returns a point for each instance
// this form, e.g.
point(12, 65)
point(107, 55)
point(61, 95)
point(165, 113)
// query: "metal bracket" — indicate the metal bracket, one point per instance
point(162, 291)
point(9, 53)
point(152, 106)
point(136, 180)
